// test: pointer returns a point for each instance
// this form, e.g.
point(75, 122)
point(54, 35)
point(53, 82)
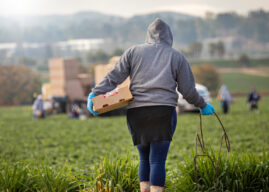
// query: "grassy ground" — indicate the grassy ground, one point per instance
point(233, 63)
point(58, 140)
point(83, 143)
point(237, 82)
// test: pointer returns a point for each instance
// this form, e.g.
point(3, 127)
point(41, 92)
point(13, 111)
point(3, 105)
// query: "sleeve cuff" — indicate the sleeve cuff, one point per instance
point(203, 105)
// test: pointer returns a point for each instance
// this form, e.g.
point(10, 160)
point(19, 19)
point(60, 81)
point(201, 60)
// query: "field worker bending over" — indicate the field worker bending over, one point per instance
point(38, 108)
point(155, 70)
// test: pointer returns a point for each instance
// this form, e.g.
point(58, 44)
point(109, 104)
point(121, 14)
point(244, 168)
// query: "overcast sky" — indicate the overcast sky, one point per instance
point(128, 7)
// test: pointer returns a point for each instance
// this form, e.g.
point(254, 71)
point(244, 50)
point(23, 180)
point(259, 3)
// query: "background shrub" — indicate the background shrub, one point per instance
point(207, 75)
point(17, 85)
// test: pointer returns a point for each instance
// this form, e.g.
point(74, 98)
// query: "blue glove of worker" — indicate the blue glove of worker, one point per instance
point(90, 104)
point(208, 110)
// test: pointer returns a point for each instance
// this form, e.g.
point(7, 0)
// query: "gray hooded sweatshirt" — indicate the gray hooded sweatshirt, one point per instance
point(155, 70)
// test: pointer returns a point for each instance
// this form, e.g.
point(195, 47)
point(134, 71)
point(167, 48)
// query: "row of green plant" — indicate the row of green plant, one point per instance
point(25, 176)
point(111, 176)
point(235, 173)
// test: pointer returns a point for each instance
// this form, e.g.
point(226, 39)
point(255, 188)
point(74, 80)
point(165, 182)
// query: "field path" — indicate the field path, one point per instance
point(258, 71)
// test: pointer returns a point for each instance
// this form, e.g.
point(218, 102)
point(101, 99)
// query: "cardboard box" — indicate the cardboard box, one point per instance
point(58, 88)
point(118, 99)
point(85, 79)
point(63, 69)
point(46, 91)
point(74, 90)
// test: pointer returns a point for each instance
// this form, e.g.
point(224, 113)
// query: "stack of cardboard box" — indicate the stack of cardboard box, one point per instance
point(46, 91)
point(85, 80)
point(64, 80)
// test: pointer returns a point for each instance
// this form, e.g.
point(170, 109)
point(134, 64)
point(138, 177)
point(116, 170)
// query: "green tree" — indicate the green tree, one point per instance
point(17, 84)
point(27, 61)
point(117, 52)
point(97, 56)
point(212, 49)
point(195, 49)
point(217, 49)
point(244, 60)
point(220, 49)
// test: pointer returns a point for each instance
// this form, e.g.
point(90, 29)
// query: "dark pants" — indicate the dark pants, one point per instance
point(225, 106)
point(253, 105)
point(153, 157)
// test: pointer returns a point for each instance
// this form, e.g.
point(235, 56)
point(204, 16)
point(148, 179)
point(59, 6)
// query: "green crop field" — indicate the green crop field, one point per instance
point(237, 82)
point(233, 63)
point(53, 143)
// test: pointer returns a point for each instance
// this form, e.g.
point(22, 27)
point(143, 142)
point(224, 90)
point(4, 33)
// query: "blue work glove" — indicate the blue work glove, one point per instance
point(208, 110)
point(90, 104)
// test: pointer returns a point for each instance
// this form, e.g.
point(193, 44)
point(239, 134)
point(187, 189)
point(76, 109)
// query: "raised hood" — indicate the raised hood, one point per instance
point(159, 32)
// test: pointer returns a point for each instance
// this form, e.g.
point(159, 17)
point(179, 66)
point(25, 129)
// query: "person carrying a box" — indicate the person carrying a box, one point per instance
point(156, 70)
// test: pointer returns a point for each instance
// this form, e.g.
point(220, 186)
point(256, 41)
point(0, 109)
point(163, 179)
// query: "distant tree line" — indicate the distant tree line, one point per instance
point(216, 50)
point(194, 50)
point(100, 56)
point(91, 57)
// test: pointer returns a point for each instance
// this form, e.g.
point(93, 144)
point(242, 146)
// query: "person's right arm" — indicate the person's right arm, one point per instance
point(115, 77)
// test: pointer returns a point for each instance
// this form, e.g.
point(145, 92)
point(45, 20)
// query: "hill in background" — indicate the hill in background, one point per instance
point(126, 31)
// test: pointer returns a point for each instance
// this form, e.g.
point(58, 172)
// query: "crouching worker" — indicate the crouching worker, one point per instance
point(253, 99)
point(155, 70)
point(38, 108)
